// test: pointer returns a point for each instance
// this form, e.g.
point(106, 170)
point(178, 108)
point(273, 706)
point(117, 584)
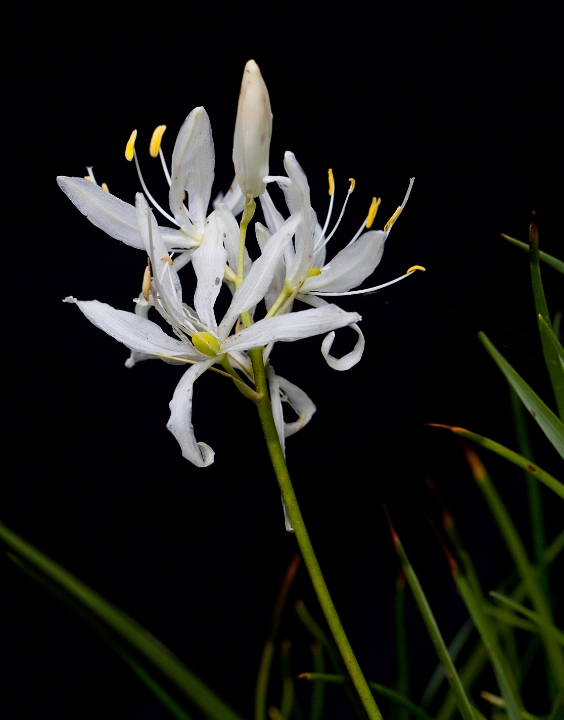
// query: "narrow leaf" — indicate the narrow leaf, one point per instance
point(545, 257)
point(508, 454)
point(126, 628)
point(558, 635)
point(549, 423)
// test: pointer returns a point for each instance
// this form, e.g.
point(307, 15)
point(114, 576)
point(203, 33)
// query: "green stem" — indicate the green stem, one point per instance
point(279, 464)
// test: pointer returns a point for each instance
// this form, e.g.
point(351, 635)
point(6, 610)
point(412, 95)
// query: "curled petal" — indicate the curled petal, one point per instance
point(300, 403)
point(348, 360)
point(180, 422)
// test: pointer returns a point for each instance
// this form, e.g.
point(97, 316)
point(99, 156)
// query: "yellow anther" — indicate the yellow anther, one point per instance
point(352, 186)
point(413, 268)
point(206, 343)
point(331, 181)
point(156, 140)
point(130, 147)
point(392, 220)
point(105, 187)
point(313, 272)
point(87, 177)
point(374, 205)
point(168, 259)
point(146, 286)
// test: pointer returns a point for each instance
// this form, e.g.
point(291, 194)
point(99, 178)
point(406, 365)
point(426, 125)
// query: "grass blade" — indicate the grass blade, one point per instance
point(537, 619)
point(265, 664)
point(318, 693)
point(380, 689)
point(549, 344)
point(496, 701)
point(433, 629)
point(549, 423)
point(454, 649)
point(508, 454)
point(402, 682)
point(545, 257)
point(287, 702)
point(125, 628)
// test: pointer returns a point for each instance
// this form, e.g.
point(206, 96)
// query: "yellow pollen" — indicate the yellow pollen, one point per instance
point(130, 147)
point(392, 220)
point(156, 140)
point(353, 184)
point(87, 177)
point(374, 205)
point(413, 268)
point(331, 181)
point(313, 272)
point(206, 343)
point(146, 286)
point(168, 259)
point(105, 187)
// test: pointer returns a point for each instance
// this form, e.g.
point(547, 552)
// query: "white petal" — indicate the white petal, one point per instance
point(276, 402)
point(300, 402)
point(298, 199)
point(274, 219)
point(180, 422)
point(165, 277)
point(209, 265)
point(351, 266)
point(348, 360)
point(279, 277)
point(234, 198)
point(136, 332)
point(287, 328)
point(115, 217)
point(229, 228)
point(192, 170)
point(257, 282)
point(321, 252)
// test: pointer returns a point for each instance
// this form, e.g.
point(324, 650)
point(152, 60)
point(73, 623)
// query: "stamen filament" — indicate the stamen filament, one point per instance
point(280, 300)
point(331, 202)
point(372, 289)
point(148, 194)
point(163, 163)
point(351, 188)
point(395, 216)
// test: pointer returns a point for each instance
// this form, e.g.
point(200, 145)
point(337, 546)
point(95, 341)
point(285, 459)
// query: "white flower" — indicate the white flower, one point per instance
point(253, 130)
point(192, 173)
point(200, 340)
point(303, 272)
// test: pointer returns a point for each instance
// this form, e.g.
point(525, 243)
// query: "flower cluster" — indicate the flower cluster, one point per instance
point(292, 264)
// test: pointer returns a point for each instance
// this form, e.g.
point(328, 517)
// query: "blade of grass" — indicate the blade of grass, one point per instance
point(499, 702)
point(318, 692)
point(265, 664)
point(552, 338)
point(547, 420)
point(402, 681)
point(509, 618)
point(463, 702)
point(126, 628)
point(537, 619)
point(545, 257)
point(549, 348)
point(536, 514)
point(546, 478)
point(380, 689)
point(519, 556)
point(287, 701)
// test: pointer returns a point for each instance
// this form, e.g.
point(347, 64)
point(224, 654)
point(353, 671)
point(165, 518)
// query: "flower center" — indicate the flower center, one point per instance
point(206, 343)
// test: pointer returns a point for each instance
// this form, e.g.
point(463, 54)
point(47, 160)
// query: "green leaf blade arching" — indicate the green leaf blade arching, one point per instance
point(129, 632)
point(545, 257)
point(547, 420)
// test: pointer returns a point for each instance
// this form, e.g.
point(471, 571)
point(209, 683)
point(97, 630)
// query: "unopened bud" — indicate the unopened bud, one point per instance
point(253, 130)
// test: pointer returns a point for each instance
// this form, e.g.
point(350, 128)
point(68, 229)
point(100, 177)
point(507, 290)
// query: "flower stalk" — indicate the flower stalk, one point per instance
point(264, 408)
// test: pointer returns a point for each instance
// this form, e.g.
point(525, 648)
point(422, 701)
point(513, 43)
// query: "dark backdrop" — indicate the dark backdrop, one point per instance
point(470, 106)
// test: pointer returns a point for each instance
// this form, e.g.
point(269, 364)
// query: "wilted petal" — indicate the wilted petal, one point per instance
point(287, 328)
point(300, 403)
point(136, 332)
point(116, 218)
point(209, 265)
point(351, 266)
point(180, 422)
point(192, 171)
point(256, 283)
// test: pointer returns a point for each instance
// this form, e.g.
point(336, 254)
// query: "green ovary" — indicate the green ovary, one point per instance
point(206, 343)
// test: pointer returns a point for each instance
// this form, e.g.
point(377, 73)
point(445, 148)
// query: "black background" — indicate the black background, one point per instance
point(472, 107)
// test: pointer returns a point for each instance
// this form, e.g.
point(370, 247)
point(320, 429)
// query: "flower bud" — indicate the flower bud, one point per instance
point(253, 130)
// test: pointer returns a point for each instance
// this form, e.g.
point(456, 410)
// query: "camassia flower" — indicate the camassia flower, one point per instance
point(303, 272)
point(192, 174)
point(200, 341)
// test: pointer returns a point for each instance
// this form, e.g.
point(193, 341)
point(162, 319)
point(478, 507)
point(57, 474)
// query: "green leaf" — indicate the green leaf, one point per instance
point(549, 345)
point(549, 423)
point(508, 454)
point(545, 257)
point(132, 634)
point(541, 622)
